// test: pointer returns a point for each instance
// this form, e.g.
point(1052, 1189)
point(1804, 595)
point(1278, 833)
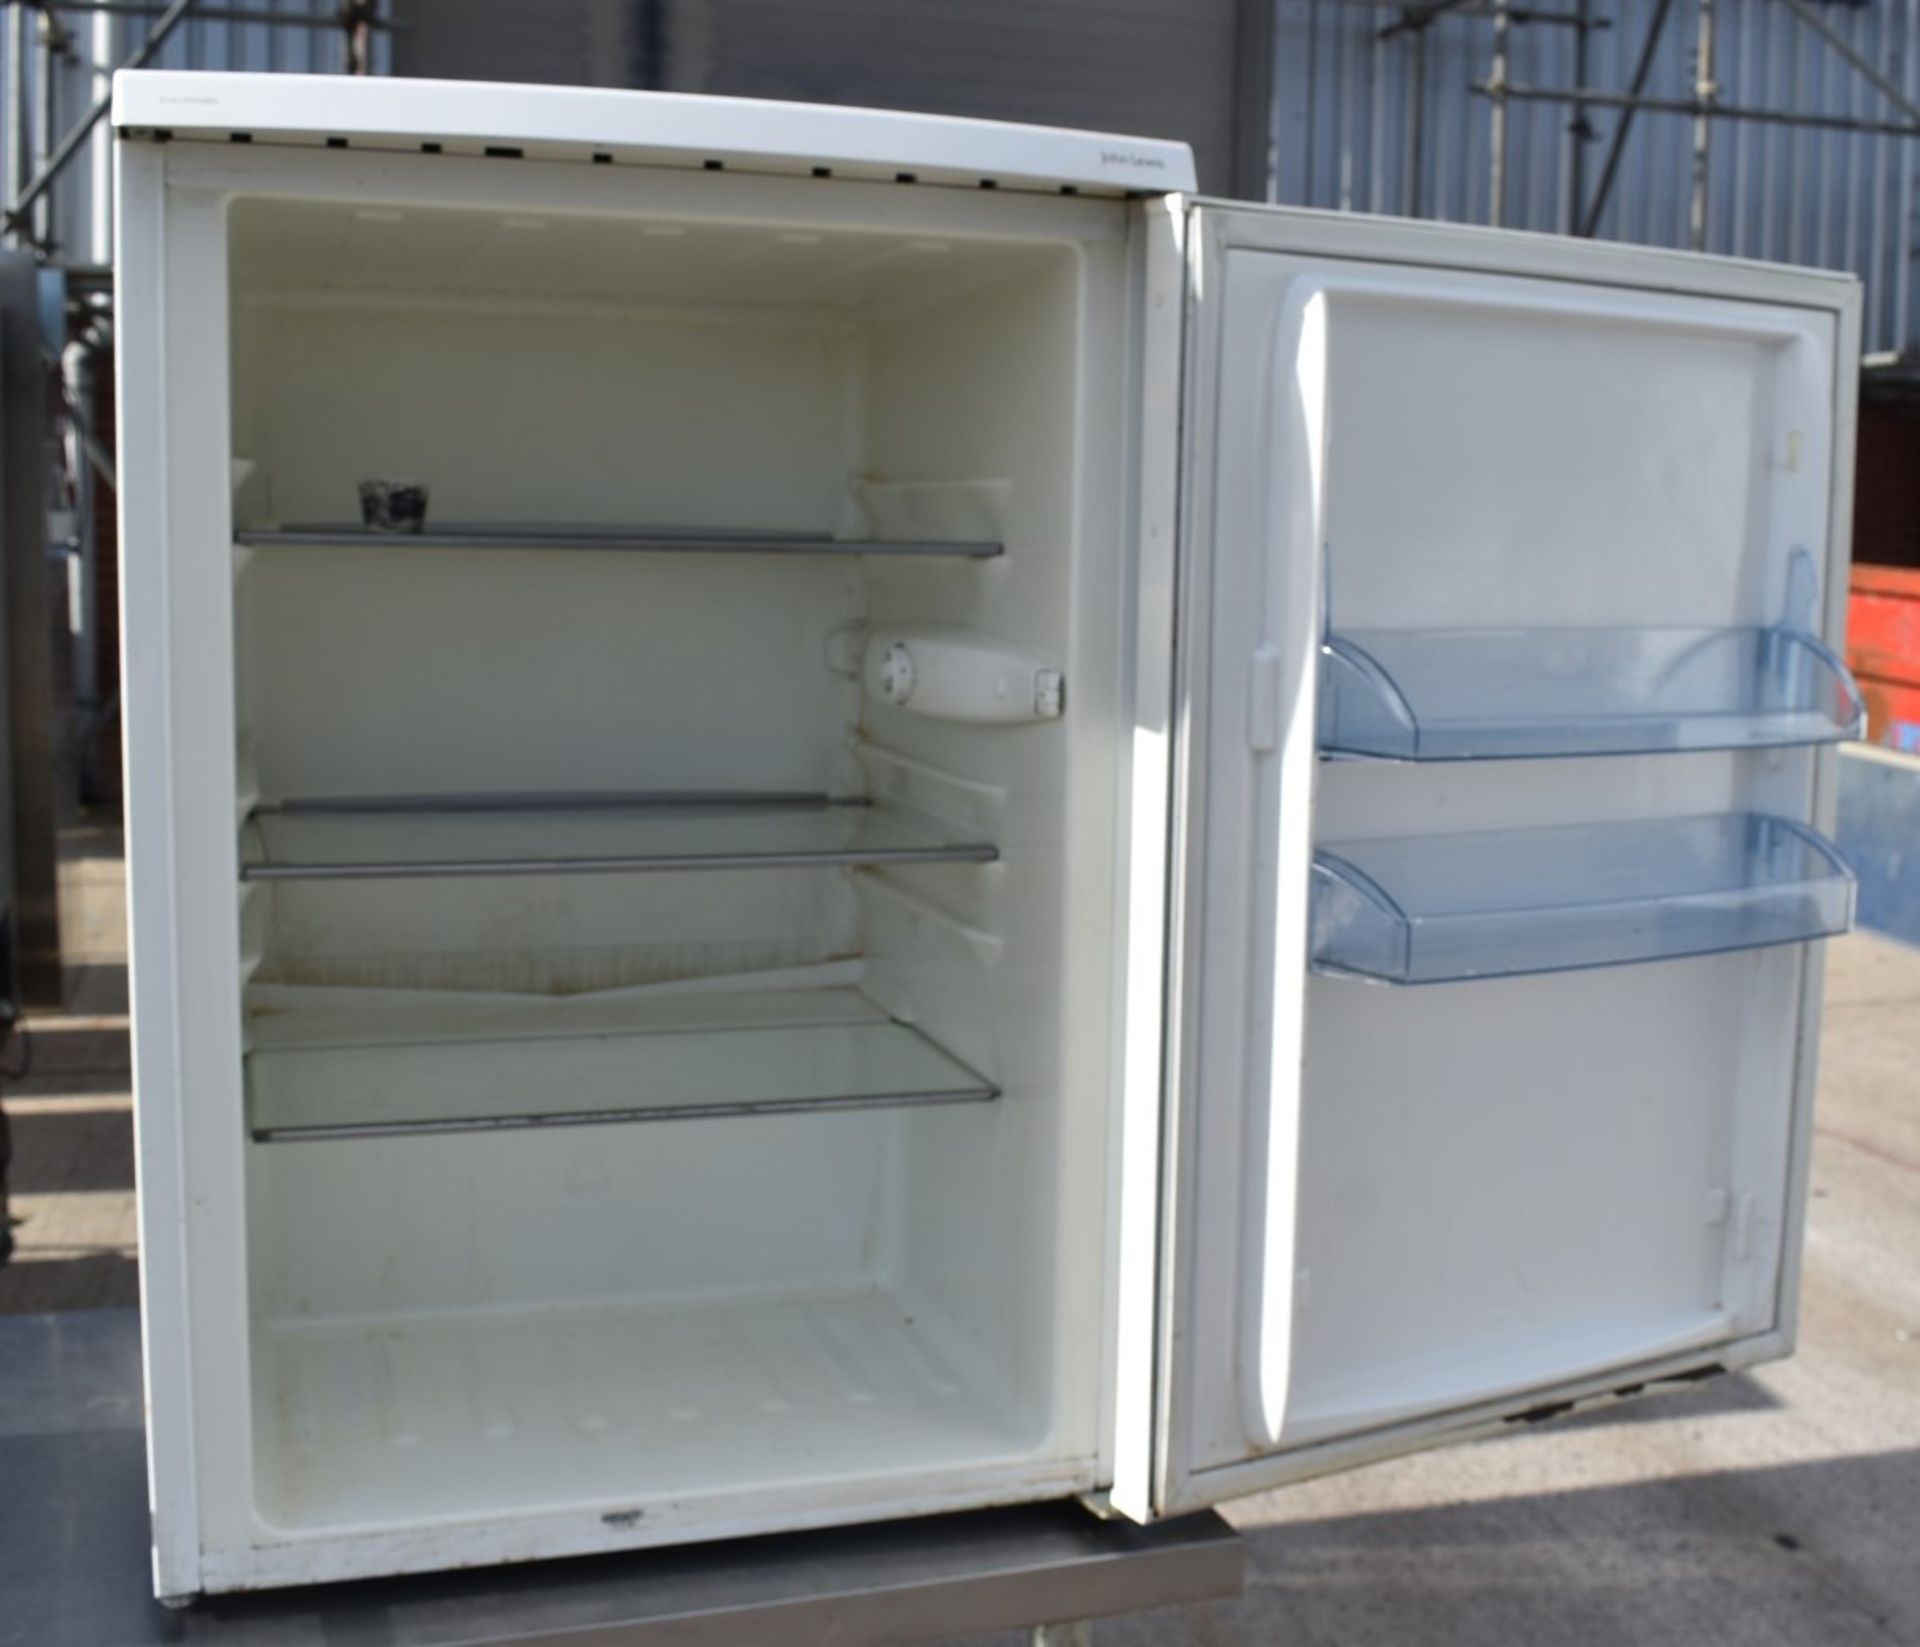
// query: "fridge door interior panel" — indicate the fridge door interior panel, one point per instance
point(1506, 675)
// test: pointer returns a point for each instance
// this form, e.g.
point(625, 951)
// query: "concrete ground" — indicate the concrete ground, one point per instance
point(72, 1113)
point(1781, 1507)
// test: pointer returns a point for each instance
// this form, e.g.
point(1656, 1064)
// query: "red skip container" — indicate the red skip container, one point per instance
point(1883, 650)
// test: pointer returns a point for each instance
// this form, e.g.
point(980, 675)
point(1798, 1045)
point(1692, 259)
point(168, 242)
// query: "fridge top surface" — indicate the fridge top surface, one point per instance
point(667, 128)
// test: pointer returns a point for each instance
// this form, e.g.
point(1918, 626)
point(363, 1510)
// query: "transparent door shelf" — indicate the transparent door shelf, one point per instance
point(1432, 909)
point(829, 1049)
point(379, 838)
point(1487, 694)
point(632, 539)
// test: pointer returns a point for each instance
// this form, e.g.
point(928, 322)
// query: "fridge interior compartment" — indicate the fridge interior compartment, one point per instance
point(534, 836)
point(1487, 694)
point(403, 837)
point(1494, 903)
point(680, 1057)
point(635, 539)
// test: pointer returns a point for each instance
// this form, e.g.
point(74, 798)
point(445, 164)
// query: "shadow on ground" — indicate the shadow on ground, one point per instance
point(1801, 1555)
point(1679, 1398)
point(47, 1281)
point(97, 987)
point(77, 1147)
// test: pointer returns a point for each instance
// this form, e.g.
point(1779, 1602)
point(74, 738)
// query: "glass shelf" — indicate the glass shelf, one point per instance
point(375, 838)
point(632, 539)
point(1433, 909)
point(1490, 694)
point(713, 1057)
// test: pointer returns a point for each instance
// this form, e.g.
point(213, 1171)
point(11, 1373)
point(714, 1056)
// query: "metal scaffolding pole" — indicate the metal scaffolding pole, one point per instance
point(70, 145)
point(1579, 127)
point(228, 14)
point(19, 134)
point(1416, 159)
point(1845, 52)
point(1610, 167)
point(1705, 90)
point(357, 20)
point(1496, 90)
point(1713, 111)
point(1416, 19)
point(1703, 107)
point(1472, 8)
point(53, 44)
point(30, 112)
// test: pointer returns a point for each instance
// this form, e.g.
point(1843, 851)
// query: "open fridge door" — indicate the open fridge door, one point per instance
point(1497, 749)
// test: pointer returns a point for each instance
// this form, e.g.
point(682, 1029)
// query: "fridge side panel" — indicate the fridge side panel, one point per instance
point(172, 1490)
point(1139, 1203)
point(177, 595)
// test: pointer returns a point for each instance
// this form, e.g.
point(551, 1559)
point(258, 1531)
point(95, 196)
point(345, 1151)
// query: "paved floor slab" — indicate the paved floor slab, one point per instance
point(71, 1112)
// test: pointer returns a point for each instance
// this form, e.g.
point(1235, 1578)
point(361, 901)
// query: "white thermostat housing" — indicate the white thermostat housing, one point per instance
point(955, 675)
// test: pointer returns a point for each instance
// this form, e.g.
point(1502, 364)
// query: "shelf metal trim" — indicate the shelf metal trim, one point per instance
point(618, 1117)
point(838, 859)
point(969, 1087)
point(636, 540)
point(547, 800)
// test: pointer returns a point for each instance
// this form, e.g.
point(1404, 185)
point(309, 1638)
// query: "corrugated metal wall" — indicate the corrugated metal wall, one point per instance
point(1341, 134)
point(550, 42)
point(80, 212)
point(1340, 131)
point(1159, 68)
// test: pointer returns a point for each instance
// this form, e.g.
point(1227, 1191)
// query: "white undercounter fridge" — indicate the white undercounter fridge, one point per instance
point(835, 815)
